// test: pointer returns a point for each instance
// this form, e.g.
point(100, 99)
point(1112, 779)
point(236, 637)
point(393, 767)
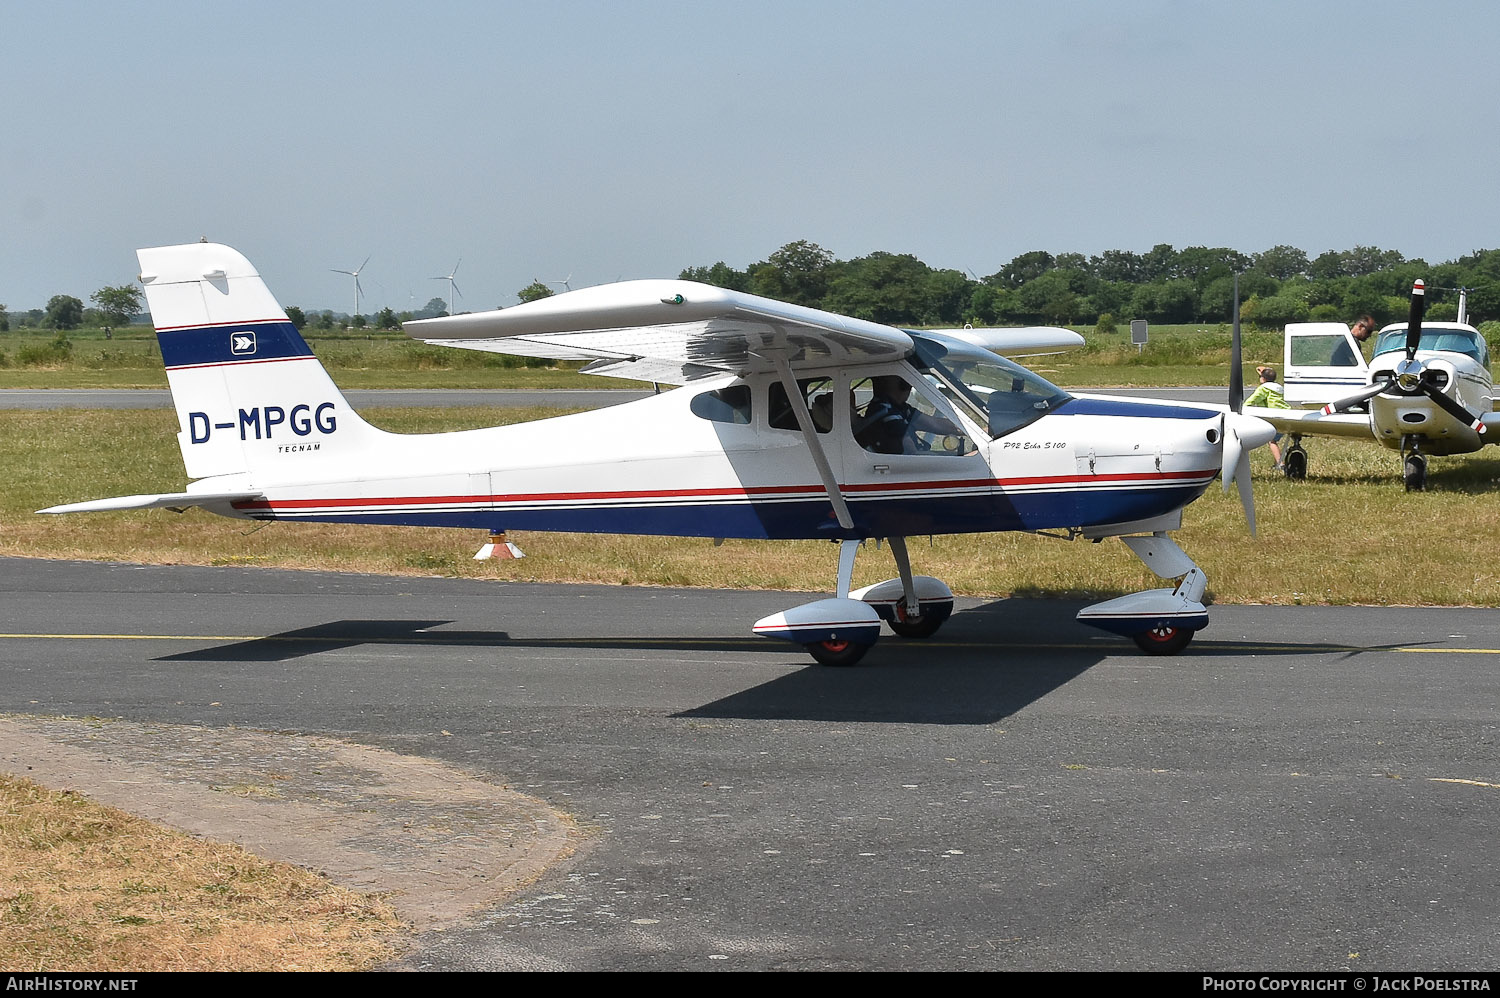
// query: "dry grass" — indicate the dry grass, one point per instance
point(1349, 534)
point(83, 886)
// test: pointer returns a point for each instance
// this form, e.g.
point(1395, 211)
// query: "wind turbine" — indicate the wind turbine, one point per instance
point(354, 274)
point(452, 285)
point(563, 282)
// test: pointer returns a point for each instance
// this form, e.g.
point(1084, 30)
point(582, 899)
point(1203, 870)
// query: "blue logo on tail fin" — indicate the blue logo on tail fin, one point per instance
point(247, 343)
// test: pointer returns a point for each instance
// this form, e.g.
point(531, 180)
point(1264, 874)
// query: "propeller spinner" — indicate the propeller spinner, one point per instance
point(1411, 376)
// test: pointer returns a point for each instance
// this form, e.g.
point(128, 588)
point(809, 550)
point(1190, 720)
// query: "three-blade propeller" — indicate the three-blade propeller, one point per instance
point(1412, 378)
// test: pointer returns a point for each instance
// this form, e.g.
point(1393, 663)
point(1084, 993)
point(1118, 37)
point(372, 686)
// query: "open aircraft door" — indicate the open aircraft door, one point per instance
point(1323, 363)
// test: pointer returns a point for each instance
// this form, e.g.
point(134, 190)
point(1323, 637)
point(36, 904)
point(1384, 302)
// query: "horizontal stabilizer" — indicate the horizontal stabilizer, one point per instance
point(169, 500)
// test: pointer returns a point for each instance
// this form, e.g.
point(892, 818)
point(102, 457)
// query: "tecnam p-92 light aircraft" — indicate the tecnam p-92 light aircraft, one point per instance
point(791, 423)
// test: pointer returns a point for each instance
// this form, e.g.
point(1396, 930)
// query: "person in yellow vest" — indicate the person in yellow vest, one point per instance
point(1269, 395)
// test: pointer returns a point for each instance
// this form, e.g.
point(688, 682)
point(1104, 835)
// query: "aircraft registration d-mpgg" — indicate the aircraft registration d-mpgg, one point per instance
point(791, 423)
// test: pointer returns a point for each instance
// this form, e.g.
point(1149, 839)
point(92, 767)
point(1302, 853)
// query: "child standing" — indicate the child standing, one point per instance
point(1268, 395)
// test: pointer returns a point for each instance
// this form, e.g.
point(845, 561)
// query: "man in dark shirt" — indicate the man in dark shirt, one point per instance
point(888, 421)
point(1362, 330)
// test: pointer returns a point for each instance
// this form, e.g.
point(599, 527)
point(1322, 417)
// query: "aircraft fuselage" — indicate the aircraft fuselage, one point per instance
point(656, 466)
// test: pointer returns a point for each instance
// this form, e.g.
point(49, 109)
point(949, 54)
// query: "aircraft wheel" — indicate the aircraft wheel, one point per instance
point(1294, 464)
point(1415, 473)
point(1164, 639)
point(922, 627)
point(836, 652)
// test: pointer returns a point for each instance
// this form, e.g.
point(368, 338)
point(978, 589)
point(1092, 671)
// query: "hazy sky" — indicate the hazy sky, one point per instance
point(601, 141)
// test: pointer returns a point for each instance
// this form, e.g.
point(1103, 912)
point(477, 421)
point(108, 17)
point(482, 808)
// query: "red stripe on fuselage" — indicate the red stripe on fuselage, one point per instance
point(743, 493)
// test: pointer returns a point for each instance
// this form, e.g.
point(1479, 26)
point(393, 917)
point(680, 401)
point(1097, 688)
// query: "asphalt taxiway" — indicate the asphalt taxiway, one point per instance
point(1311, 788)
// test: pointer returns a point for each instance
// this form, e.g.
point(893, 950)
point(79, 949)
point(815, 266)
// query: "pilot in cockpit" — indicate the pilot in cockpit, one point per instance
point(890, 423)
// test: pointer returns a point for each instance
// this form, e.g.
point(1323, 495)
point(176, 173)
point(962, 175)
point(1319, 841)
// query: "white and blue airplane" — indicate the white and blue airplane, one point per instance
point(1427, 391)
point(791, 423)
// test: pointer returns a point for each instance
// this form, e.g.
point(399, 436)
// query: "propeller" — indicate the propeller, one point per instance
point(1242, 434)
point(1236, 366)
point(1411, 378)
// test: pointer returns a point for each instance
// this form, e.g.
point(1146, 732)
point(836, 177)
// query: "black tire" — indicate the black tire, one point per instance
point(922, 627)
point(1294, 464)
point(836, 652)
point(1414, 473)
point(1164, 639)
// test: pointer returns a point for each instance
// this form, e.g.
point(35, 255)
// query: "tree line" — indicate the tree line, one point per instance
point(1163, 285)
point(119, 306)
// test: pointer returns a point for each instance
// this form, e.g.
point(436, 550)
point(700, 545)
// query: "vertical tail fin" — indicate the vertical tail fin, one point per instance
point(248, 391)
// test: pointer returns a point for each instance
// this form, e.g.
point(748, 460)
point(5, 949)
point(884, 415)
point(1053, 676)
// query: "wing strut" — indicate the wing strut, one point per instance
point(810, 434)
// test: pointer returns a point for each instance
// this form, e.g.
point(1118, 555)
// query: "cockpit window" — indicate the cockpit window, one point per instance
point(1463, 341)
point(727, 405)
point(817, 395)
point(1001, 393)
point(1322, 350)
point(890, 416)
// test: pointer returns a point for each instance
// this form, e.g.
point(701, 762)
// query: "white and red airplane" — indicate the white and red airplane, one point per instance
point(791, 423)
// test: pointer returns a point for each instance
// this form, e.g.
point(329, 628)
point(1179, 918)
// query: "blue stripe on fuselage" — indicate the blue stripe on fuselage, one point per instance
point(1130, 407)
point(230, 343)
point(997, 511)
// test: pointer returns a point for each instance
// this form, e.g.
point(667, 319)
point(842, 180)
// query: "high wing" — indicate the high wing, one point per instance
point(1027, 341)
point(1312, 422)
point(671, 332)
point(674, 332)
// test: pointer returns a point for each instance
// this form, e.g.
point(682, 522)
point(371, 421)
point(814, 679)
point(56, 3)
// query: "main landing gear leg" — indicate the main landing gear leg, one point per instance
point(1160, 621)
point(922, 609)
point(915, 606)
point(839, 631)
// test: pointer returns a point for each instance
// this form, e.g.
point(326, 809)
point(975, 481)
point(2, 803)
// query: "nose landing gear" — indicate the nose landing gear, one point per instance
point(1413, 465)
point(1294, 461)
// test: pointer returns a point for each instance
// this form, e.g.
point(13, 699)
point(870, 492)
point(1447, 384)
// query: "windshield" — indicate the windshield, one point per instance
point(1002, 394)
point(1453, 340)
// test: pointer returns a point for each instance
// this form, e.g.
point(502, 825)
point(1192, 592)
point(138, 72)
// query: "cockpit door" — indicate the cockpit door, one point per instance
point(931, 477)
point(1323, 363)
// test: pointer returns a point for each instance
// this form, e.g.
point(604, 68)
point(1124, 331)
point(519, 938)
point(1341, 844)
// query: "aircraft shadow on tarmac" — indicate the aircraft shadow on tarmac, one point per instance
point(988, 663)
